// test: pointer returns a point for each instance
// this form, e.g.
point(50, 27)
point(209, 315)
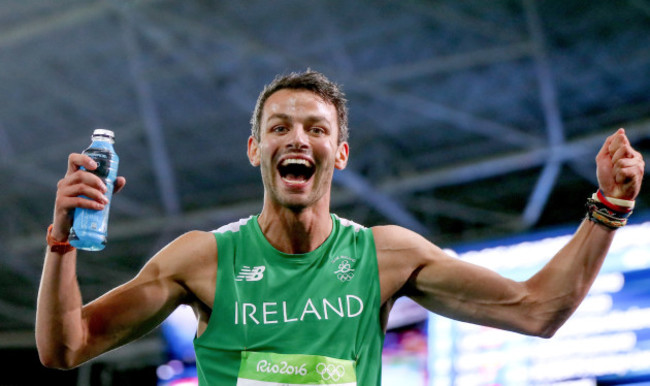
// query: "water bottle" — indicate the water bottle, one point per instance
point(89, 227)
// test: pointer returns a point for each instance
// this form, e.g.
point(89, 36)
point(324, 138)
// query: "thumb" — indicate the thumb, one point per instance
point(119, 184)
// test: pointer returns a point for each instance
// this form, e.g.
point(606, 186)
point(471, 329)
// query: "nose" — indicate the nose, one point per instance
point(298, 138)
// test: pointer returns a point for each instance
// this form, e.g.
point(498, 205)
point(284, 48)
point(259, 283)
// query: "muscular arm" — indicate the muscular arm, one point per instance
point(463, 291)
point(68, 332)
point(410, 265)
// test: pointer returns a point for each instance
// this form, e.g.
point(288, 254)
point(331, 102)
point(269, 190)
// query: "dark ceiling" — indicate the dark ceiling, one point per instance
point(470, 120)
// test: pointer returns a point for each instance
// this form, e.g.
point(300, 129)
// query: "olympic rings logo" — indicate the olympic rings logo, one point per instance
point(333, 372)
point(345, 276)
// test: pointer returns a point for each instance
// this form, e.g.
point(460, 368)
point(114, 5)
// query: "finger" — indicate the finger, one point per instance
point(604, 150)
point(623, 152)
point(628, 176)
point(619, 140)
point(76, 161)
point(64, 209)
point(76, 190)
point(67, 202)
point(69, 190)
point(83, 177)
point(629, 167)
point(119, 184)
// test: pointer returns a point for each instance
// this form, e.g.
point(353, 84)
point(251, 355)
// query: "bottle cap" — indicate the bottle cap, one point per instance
point(104, 133)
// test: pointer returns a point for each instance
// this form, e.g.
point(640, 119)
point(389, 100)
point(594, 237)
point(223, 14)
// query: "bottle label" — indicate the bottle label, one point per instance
point(103, 158)
point(90, 226)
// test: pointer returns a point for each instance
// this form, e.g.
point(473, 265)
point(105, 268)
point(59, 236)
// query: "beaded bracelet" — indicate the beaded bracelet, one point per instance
point(601, 210)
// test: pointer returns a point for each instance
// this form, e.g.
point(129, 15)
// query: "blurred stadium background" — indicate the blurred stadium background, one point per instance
point(469, 120)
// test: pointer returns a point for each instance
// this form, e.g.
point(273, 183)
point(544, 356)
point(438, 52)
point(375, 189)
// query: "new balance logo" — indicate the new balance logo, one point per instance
point(251, 274)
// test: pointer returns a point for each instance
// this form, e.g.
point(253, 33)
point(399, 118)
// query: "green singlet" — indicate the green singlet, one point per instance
point(280, 319)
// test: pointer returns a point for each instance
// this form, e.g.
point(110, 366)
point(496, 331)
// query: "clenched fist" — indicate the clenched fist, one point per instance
point(619, 167)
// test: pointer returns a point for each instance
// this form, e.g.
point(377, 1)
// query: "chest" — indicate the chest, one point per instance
point(322, 306)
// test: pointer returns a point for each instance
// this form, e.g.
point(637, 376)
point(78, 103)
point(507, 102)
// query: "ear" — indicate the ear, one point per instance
point(342, 155)
point(253, 151)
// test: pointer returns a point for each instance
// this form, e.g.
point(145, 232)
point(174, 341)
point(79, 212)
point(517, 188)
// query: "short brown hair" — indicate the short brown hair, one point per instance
point(311, 81)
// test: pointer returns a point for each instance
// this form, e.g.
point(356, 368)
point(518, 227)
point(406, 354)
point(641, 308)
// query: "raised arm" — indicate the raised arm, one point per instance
point(410, 265)
point(69, 333)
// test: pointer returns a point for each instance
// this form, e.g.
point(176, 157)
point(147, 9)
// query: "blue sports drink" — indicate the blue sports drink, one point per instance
point(89, 227)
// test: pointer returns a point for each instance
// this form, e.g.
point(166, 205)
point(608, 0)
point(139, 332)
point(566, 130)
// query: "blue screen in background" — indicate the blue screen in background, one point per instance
point(606, 342)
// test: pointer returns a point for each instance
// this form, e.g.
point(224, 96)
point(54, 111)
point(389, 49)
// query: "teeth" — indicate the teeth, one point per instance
point(296, 161)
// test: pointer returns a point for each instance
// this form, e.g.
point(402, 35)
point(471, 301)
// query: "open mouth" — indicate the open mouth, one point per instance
point(296, 170)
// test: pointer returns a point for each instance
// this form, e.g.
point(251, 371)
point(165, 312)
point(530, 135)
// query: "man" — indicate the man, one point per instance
point(297, 295)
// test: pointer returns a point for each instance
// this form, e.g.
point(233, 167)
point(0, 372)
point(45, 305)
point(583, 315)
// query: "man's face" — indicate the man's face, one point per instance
point(298, 148)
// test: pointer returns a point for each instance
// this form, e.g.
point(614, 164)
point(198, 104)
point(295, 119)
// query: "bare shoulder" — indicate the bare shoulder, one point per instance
point(393, 235)
point(191, 246)
point(186, 251)
point(401, 253)
point(191, 261)
point(395, 241)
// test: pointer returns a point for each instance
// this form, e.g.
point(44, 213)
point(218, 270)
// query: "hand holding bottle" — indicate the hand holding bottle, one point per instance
point(84, 188)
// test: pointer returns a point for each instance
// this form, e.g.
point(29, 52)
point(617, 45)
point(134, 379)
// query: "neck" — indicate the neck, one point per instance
point(295, 231)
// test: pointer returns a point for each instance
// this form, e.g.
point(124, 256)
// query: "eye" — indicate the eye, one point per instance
point(279, 129)
point(317, 130)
